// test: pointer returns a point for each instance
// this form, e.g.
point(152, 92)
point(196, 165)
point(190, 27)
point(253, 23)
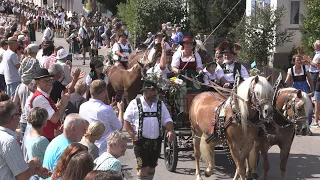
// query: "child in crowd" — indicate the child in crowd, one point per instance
point(94, 47)
point(35, 143)
point(210, 73)
point(94, 132)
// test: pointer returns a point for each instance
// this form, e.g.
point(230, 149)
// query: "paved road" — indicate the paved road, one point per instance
point(303, 163)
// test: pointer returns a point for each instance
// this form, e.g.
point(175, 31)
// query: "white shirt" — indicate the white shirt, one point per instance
point(179, 55)
point(83, 33)
point(41, 101)
point(1, 64)
point(158, 72)
point(217, 75)
point(47, 34)
point(116, 47)
point(153, 50)
point(89, 79)
point(150, 127)
point(229, 76)
point(11, 159)
point(67, 78)
point(316, 56)
point(96, 110)
point(39, 55)
point(294, 71)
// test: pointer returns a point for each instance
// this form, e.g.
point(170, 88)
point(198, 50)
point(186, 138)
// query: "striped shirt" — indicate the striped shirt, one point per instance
point(11, 159)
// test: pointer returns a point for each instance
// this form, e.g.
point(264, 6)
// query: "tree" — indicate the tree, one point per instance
point(143, 16)
point(111, 5)
point(221, 8)
point(310, 27)
point(261, 33)
point(199, 15)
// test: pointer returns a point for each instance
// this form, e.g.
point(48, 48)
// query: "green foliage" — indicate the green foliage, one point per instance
point(111, 5)
point(310, 27)
point(199, 15)
point(261, 33)
point(148, 15)
point(220, 9)
point(128, 13)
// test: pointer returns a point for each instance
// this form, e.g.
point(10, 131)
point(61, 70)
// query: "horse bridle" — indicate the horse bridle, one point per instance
point(294, 117)
point(256, 104)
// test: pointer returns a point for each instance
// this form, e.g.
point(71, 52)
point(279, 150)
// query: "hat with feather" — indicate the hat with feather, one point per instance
point(227, 47)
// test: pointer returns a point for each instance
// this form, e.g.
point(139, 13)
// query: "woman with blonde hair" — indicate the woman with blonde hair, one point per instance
point(94, 132)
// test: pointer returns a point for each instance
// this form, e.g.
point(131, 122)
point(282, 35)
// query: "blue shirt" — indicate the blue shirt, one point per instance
point(178, 38)
point(54, 151)
point(36, 146)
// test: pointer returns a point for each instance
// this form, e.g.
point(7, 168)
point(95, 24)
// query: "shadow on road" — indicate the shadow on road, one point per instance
point(299, 166)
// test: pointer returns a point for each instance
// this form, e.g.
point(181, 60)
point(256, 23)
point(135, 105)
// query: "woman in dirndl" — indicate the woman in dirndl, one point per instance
point(299, 77)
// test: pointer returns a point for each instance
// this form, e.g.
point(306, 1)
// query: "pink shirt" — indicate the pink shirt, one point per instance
point(50, 61)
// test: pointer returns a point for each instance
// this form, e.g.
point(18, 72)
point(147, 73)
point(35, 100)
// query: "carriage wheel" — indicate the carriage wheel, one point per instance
point(170, 150)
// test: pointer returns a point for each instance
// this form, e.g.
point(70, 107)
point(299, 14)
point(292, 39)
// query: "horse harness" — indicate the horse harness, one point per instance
point(142, 115)
point(286, 107)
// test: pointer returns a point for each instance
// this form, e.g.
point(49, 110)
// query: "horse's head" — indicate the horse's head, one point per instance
point(296, 106)
point(201, 49)
point(257, 92)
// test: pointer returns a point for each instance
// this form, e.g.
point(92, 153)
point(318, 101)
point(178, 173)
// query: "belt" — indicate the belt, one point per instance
point(314, 72)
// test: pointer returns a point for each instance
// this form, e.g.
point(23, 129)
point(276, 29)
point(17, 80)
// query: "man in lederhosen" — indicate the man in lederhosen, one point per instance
point(85, 40)
point(144, 119)
point(230, 66)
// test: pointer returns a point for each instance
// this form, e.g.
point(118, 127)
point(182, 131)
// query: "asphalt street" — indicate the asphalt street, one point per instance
point(303, 163)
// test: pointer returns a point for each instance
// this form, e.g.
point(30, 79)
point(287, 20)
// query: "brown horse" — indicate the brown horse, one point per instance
point(292, 109)
point(254, 101)
point(125, 82)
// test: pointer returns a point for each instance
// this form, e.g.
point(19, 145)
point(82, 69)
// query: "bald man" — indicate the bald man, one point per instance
point(74, 128)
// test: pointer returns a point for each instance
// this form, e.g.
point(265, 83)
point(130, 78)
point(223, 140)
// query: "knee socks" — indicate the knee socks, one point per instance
point(150, 175)
point(142, 178)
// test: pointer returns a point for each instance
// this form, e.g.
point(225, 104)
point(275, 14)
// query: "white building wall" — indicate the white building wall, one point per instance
point(296, 39)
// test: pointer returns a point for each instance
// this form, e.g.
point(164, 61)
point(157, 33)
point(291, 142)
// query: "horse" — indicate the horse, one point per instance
point(125, 82)
point(292, 107)
point(254, 103)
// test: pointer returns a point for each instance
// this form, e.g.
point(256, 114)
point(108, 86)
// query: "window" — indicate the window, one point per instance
point(295, 12)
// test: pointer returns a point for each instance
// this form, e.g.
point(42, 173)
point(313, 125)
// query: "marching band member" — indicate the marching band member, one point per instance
point(121, 50)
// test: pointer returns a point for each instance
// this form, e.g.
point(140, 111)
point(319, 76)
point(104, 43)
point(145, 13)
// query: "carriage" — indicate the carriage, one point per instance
point(183, 140)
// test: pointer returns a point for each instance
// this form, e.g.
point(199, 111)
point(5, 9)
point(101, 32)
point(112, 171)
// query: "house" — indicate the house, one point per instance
point(291, 21)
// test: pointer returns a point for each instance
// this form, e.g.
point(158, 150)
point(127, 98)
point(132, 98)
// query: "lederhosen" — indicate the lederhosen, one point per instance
point(237, 67)
point(124, 63)
point(48, 130)
point(147, 150)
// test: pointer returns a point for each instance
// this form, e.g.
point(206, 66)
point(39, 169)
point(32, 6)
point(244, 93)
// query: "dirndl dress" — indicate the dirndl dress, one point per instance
point(300, 82)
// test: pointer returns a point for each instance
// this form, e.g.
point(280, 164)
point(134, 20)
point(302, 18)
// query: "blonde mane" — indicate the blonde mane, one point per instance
point(305, 98)
point(263, 90)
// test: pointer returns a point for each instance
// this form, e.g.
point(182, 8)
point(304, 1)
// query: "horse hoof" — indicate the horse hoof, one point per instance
point(254, 175)
point(207, 174)
point(199, 178)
